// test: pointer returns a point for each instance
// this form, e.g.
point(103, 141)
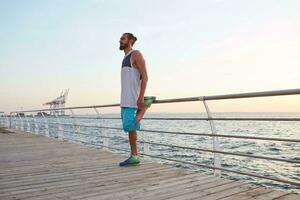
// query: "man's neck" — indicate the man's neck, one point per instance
point(127, 50)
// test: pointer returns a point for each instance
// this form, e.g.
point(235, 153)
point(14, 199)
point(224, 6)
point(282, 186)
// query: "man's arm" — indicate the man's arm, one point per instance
point(140, 65)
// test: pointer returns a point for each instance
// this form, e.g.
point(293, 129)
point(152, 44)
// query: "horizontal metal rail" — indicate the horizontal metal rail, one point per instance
point(213, 151)
point(223, 152)
point(228, 136)
point(222, 119)
point(194, 118)
point(188, 133)
point(189, 99)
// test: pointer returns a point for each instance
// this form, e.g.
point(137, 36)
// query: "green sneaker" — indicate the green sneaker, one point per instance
point(132, 160)
point(148, 100)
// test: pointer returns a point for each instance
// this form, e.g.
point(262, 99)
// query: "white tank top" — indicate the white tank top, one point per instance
point(130, 82)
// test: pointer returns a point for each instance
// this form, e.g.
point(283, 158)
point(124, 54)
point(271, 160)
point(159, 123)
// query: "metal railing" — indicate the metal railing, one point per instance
point(27, 121)
point(4, 120)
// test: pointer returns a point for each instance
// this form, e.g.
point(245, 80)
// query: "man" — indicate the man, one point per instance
point(133, 85)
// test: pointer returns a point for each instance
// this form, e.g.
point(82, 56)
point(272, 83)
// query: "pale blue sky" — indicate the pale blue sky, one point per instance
point(192, 48)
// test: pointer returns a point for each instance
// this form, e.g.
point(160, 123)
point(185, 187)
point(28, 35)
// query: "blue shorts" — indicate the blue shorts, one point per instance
point(128, 119)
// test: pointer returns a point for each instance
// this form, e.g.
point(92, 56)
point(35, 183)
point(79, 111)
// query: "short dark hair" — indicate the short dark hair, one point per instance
point(130, 36)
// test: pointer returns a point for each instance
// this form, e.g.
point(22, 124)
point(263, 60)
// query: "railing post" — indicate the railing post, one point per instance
point(1, 119)
point(216, 145)
point(76, 128)
point(21, 122)
point(6, 122)
point(28, 125)
point(18, 122)
point(105, 139)
point(10, 120)
point(46, 125)
point(60, 128)
point(15, 122)
point(36, 128)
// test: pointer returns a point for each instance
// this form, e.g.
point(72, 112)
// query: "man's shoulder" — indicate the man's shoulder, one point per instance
point(137, 53)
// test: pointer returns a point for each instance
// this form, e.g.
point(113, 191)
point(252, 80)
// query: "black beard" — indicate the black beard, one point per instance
point(123, 47)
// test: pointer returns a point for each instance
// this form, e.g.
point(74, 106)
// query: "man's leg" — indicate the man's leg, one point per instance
point(130, 126)
point(147, 103)
point(133, 159)
point(140, 114)
point(132, 140)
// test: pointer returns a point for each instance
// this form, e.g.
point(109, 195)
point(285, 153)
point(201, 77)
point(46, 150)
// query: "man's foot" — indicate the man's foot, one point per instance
point(131, 161)
point(141, 112)
point(148, 100)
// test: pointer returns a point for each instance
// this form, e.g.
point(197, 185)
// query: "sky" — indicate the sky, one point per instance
point(191, 48)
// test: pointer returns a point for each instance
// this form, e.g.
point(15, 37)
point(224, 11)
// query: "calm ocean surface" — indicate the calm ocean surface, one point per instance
point(277, 169)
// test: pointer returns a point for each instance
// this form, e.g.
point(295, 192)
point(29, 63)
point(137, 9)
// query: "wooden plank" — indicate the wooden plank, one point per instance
point(155, 190)
point(190, 189)
point(200, 192)
point(130, 187)
point(95, 183)
point(227, 192)
point(171, 192)
point(289, 197)
point(248, 194)
point(56, 189)
point(45, 181)
point(271, 195)
point(38, 168)
point(51, 160)
point(132, 191)
point(111, 185)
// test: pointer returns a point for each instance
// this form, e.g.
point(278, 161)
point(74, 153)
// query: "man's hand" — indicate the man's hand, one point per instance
point(140, 103)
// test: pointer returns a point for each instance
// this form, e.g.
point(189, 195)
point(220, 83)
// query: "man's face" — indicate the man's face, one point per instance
point(124, 42)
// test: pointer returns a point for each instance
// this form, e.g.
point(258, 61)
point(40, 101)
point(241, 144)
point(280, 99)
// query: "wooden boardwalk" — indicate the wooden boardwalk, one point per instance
point(35, 167)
